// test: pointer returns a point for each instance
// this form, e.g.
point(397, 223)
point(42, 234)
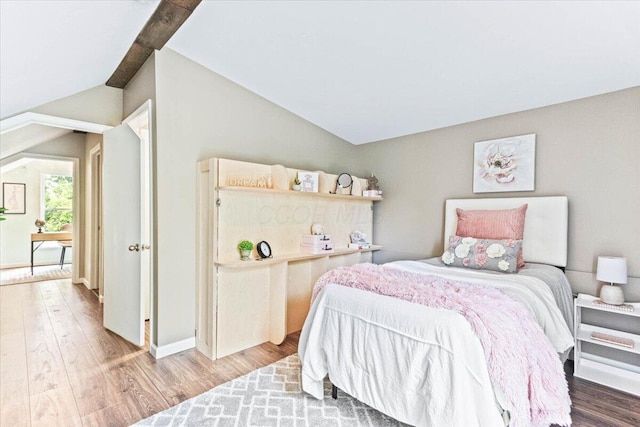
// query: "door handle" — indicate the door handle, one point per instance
point(139, 247)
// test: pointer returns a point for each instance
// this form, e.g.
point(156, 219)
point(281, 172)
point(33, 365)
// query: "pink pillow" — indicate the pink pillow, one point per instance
point(493, 224)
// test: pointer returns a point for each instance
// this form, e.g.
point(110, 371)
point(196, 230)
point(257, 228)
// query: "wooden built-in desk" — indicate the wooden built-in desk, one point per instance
point(241, 304)
point(46, 237)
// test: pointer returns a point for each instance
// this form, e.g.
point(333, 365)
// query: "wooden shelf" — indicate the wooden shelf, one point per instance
point(292, 258)
point(298, 193)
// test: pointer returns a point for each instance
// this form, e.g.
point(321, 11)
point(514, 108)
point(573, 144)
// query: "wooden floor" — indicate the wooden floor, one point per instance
point(594, 405)
point(59, 366)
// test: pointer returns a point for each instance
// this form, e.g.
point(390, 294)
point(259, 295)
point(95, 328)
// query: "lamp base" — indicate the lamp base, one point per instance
point(612, 294)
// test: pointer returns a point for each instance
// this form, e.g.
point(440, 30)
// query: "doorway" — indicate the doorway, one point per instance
point(49, 186)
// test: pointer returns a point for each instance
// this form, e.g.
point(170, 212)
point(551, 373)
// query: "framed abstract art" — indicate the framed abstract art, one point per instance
point(506, 164)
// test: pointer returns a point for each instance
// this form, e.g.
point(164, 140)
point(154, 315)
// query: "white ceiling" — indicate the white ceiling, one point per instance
point(51, 49)
point(364, 71)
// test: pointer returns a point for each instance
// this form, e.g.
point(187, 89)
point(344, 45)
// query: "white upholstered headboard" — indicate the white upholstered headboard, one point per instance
point(545, 228)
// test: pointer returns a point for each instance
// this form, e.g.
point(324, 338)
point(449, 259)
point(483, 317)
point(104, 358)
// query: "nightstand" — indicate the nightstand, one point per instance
point(596, 367)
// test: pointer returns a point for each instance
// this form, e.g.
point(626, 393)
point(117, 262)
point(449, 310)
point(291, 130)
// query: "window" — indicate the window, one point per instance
point(57, 203)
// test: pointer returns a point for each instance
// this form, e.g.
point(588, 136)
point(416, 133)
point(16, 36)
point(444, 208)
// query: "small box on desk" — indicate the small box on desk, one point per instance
point(320, 248)
point(315, 239)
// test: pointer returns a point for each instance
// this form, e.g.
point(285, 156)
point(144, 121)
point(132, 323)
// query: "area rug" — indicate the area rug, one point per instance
point(270, 396)
point(14, 276)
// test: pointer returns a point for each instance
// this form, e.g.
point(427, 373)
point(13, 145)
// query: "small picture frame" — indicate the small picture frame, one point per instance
point(14, 198)
point(308, 181)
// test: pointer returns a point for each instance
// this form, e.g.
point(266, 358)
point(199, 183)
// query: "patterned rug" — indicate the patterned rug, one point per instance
point(270, 396)
point(14, 276)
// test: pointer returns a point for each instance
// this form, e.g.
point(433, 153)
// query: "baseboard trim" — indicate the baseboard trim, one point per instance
point(85, 282)
point(173, 348)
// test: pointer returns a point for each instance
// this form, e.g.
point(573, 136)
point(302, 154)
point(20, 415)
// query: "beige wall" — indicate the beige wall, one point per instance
point(101, 104)
point(141, 87)
point(201, 115)
point(588, 150)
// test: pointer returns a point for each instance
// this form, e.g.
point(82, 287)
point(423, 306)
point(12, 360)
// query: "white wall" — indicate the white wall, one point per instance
point(15, 241)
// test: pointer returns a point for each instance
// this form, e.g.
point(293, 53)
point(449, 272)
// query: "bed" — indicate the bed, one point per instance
point(430, 363)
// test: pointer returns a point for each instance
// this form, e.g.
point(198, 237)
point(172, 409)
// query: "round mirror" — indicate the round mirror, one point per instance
point(345, 180)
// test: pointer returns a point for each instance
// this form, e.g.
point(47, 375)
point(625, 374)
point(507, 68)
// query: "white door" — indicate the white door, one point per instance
point(123, 244)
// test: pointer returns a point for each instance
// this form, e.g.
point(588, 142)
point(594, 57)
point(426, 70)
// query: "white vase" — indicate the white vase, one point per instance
point(612, 294)
point(297, 187)
point(245, 255)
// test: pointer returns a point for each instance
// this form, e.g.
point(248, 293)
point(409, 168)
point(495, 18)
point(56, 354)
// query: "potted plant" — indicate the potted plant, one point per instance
point(2, 209)
point(297, 185)
point(245, 247)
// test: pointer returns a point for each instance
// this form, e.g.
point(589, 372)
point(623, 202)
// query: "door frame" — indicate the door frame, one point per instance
point(94, 251)
point(148, 176)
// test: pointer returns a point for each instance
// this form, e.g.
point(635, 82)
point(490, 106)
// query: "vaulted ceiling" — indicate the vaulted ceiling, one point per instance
point(364, 71)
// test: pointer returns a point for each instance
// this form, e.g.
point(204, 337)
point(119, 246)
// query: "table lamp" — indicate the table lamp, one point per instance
point(612, 270)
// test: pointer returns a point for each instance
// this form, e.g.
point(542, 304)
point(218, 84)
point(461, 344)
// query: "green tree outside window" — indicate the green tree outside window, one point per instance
point(58, 201)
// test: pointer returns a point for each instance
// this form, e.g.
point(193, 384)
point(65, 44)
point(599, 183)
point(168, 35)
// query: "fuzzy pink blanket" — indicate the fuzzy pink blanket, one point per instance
point(521, 362)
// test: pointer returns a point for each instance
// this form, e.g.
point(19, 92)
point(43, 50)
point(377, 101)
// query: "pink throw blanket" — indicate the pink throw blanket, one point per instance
point(521, 362)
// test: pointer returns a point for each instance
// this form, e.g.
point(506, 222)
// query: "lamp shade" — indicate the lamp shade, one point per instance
point(612, 269)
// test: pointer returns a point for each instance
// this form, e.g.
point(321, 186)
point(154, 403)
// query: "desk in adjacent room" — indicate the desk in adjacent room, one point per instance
point(40, 238)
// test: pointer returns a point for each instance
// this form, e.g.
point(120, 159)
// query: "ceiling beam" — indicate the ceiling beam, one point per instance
point(161, 26)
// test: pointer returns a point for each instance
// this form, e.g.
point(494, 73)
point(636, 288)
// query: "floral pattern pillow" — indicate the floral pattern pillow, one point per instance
point(483, 254)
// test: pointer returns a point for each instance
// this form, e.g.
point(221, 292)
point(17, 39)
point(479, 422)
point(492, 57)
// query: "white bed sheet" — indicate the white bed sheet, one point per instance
point(532, 292)
point(420, 365)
